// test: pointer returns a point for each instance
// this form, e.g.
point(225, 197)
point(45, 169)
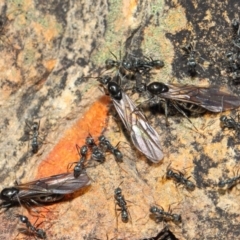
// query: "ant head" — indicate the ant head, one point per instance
point(102, 138)
point(153, 209)
point(177, 218)
point(109, 63)
point(118, 191)
point(104, 79)
point(223, 118)
point(89, 140)
point(221, 184)
point(8, 193)
point(169, 173)
point(115, 90)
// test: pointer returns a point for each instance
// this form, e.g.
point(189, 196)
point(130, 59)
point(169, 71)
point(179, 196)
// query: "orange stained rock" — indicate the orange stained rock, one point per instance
point(64, 152)
point(50, 64)
point(129, 8)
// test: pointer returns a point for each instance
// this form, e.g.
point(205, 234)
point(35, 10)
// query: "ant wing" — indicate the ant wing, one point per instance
point(146, 140)
point(123, 109)
point(210, 98)
point(64, 183)
point(143, 136)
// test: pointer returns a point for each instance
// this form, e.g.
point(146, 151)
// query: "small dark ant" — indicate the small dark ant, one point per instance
point(110, 63)
point(179, 178)
point(160, 215)
point(34, 133)
point(105, 144)
point(229, 183)
point(229, 123)
point(31, 230)
point(148, 63)
point(191, 59)
point(79, 167)
point(120, 201)
point(136, 67)
point(97, 154)
point(144, 65)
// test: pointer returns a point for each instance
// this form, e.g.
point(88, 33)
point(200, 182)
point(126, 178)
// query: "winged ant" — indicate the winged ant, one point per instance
point(192, 98)
point(143, 136)
point(43, 190)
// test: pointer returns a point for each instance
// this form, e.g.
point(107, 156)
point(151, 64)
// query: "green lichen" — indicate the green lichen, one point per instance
point(113, 36)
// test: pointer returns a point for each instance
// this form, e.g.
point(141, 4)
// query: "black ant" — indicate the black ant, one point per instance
point(229, 123)
point(191, 59)
point(31, 229)
point(120, 201)
point(179, 178)
point(137, 68)
point(142, 65)
point(105, 144)
point(79, 167)
point(229, 183)
point(160, 215)
point(33, 131)
point(110, 63)
point(147, 64)
point(97, 154)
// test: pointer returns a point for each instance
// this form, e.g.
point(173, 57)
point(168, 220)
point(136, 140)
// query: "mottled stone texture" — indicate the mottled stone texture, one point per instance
point(48, 49)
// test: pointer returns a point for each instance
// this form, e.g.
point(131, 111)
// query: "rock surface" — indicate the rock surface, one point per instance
point(49, 48)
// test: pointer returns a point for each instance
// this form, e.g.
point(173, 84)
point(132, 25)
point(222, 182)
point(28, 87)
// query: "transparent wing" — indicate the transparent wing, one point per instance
point(149, 143)
point(143, 136)
point(210, 98)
